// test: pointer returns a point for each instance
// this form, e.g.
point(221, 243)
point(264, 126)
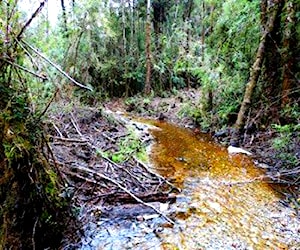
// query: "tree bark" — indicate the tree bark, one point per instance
point(254, 75)
point(124, 48)
point(64, 14)
point(187, 22)
point(203, 32)
point(147, 88)
point(288, 59)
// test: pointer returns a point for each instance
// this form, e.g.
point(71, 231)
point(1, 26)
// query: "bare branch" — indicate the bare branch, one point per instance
point(38, 10)
point(94, 173)
point(25, 69)
point(57, 67)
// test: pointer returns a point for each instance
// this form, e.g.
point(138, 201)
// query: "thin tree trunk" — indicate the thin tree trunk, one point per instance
point(147, 89)
point(64, 14)
point(287, 53)
point(124, 47)
point(254, 76)
point(187, 23)
point(203, 32)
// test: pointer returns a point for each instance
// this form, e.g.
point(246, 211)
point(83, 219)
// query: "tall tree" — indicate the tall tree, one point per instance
point(64, 15)
point(147, 89)
point(289, 53)
point(256, 70)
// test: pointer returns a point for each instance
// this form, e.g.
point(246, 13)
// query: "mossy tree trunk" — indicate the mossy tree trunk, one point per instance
point(255, 71)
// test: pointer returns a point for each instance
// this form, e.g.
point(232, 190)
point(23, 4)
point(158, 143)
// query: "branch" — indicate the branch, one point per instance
point(44, 78)
point(57, 67)
point(48, 105)
point(94, 173)
point(156, 174)
point(38, 10)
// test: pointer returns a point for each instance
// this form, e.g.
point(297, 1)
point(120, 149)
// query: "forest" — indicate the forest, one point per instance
point(73, 71)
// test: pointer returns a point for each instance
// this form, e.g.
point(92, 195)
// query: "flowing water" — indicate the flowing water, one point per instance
point(225, 203)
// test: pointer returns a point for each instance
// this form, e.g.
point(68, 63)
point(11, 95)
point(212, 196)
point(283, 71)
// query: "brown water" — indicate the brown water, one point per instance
point(230, 205)
point(225, 203)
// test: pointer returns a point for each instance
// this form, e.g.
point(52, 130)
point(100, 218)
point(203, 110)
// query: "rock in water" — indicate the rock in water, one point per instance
point(236, 150)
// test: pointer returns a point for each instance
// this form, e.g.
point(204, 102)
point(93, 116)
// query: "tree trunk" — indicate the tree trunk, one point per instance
point(124, 48)
point(64, 14)
point(254, 75)
point(187, 23)
point(288, 58)
point(147, 89)
point(203, 32)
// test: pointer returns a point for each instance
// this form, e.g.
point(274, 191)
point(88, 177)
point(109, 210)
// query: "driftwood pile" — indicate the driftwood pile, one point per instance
point(82, 141)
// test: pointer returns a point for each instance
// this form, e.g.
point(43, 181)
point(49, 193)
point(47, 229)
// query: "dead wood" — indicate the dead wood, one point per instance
point(99, 179)
point(38, 10)
point(120, 186)
point(56, 67)
point(113, 198)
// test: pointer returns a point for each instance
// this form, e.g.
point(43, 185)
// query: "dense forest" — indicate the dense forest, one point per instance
point(241, 56)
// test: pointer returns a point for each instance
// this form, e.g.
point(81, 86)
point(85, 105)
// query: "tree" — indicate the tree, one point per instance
point(147, 89)
point(64, 15)
point(31, 210)
point(289, 54)
point(275, 61)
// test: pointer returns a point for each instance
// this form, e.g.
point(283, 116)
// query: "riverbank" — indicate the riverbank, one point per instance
point(102, 156)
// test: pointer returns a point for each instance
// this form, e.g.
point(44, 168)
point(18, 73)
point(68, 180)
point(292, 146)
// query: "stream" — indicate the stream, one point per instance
point(225, 203)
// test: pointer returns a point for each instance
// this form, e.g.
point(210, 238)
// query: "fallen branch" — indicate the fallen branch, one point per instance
point(57, 67)
point(149, 197)
point(44, 78)
point(68, 139)
point(156, 175)
point(125, 190)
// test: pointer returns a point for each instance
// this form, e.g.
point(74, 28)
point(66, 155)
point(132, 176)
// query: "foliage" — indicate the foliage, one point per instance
point(284, 144)
point(224, 71)
point(129, 146)
point(31, 209)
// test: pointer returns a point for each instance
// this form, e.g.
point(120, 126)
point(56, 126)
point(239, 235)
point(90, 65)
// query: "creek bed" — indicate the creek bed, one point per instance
point(225, 203)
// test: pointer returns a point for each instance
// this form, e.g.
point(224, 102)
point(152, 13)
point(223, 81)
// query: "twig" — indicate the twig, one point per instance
point(259, 178)
point(48, 105)
point(106, 136)
point(33, 233)
point(44, 78)
point(75, 124)
point(157, 175)
point(125, 190)
point(38, 10)
point(57, 67)
point(81, 177)
point(57, 130)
